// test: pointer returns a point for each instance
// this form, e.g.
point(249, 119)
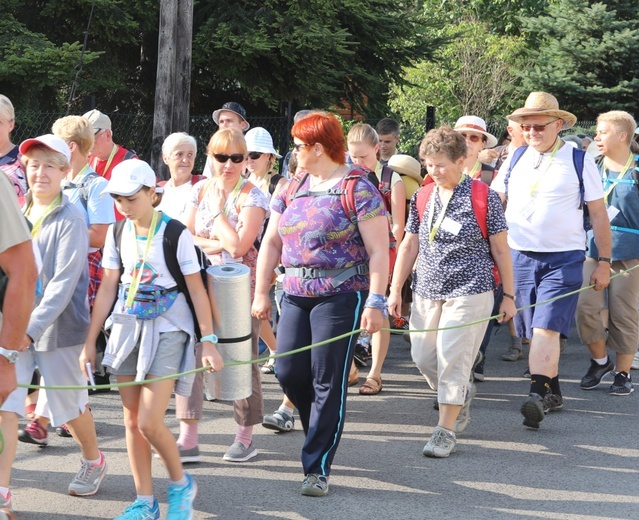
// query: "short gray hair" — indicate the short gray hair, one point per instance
point(178, 139)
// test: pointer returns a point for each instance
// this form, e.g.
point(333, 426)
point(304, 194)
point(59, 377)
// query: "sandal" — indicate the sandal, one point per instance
point(372, 386)
point(353, 375)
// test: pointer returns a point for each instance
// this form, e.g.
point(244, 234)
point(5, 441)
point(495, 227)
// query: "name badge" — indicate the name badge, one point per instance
point(123, 319)
point(612, 212)
point(528, 210)
point(451, 226)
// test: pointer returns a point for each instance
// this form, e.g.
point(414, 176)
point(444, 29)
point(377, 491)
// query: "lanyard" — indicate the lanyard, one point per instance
point(475, 169)
point(535, 185)
point(135, 282)
point(38, 223)
point(110, 159)
point(234, 195)
point(609, 184)
point(434, 228)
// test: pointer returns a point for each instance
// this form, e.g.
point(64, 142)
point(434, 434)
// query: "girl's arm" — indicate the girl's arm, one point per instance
point(267, 261)
point(398, 210)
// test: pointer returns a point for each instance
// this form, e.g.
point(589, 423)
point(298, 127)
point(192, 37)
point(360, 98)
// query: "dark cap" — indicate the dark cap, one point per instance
point(231, 106)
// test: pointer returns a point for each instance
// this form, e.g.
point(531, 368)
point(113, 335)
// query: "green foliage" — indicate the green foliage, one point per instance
point(587, 56)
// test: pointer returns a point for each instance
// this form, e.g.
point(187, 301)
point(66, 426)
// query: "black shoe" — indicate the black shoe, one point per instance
point(100, 380)
point(361, 356)
point(533, 410)
point(553, 402)
point(622, 384)
point(595, 373)
point(436, 404)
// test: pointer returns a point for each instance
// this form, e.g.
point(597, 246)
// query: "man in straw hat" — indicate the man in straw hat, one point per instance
point(547, 237)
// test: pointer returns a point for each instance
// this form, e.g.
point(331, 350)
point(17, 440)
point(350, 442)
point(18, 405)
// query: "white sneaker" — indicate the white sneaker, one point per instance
point(635, 362)
point(441, 444)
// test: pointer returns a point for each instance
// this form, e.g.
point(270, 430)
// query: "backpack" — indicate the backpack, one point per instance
point(384, 186)
point(83, 185)
point(174, 229)
point(578, 158)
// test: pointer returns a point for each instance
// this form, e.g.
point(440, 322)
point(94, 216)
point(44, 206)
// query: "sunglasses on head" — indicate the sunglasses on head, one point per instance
point(474, 138)
point(222, 157)
point(255, 155)
point(536, 128)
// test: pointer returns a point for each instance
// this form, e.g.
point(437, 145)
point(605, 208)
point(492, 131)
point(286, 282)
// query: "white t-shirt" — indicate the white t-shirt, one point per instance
point(543, 203)
point(174, 200)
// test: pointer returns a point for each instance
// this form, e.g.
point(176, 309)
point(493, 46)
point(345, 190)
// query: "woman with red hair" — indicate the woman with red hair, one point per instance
point(336, 272)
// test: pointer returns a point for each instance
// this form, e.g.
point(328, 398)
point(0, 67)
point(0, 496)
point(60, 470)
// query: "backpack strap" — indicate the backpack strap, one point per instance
point(83, 186)
point(578, 158)
point(421, 200)
point(273, 182)
point(118, 227)
point(514, 159)
point(347, 196)
point(294, 186)
point(241, 196)
point(479, 197)
point(206, 186)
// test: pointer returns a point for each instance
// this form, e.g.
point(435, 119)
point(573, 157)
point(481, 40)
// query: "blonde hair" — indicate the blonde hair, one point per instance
point(621, 120)
point(6, 108)
point(224, 139)
point(75, 129)
point(363, 133)
point(42, 153)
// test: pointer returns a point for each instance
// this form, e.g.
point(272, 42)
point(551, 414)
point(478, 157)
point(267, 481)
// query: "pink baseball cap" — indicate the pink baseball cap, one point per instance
point(50, 141)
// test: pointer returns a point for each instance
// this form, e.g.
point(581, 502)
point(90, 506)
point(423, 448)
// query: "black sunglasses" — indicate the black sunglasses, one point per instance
point(222, 157)
point(255, 155)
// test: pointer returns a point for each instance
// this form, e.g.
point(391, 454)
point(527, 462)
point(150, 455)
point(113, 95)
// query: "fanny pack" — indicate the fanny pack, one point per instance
point(150, 301)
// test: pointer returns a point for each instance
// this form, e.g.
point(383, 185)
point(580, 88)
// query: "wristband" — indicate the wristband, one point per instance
point(510, 296)
point(211, 338)
point(604, 259)
point(377, 301)
point(215, 215)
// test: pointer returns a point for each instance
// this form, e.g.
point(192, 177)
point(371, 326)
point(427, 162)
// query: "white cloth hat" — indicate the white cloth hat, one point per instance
point(129, 176)
point(98, 120)
point(50, 141)
point(258, 139)
point(475, 124)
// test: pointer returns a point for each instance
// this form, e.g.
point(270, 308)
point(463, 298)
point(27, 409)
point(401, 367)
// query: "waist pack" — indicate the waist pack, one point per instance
point(150, 301)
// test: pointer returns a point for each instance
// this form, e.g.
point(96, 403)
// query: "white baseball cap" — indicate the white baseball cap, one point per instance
point(50, 141)
point(128, 177)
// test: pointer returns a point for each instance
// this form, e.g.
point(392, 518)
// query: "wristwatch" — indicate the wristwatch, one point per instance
point(211, 337)
point(510, 296)
point(11, 355)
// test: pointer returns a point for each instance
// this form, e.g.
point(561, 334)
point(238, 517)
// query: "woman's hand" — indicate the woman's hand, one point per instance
point(261, 308)
point(508, 309)
point(395, 303)
point(211, 357)
point(372, 320)
point(87, 356)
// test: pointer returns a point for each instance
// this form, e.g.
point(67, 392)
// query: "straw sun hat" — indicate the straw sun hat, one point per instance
point(542, 103)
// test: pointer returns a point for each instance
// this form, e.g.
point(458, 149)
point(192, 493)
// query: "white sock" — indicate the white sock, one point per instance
point(286, 409)
point(182, 482)
point(4, 491)
point(97, 461)
point(146, 498)
point(601, 361)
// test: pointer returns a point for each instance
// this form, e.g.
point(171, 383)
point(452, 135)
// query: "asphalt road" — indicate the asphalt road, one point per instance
point(582, 464)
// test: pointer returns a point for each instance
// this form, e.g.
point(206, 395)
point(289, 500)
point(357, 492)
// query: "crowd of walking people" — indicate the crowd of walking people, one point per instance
point(101, 262)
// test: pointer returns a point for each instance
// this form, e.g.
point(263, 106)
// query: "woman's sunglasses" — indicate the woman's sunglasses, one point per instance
point(474, 138)
point(222, 157)
point(255, 155)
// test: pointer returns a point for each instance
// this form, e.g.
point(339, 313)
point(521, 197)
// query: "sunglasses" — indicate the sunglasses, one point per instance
point(299, 146)
point(536, 128)
point(474, 138)
point(222, 157)
point(255, 155)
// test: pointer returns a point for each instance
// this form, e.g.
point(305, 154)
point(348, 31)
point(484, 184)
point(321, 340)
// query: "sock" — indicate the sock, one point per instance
point(287, 410)
point(539, 384)
point(182, 482)
point(244, 435)
point(146, 498)
point(96, 462)
point(515, 342)
point(4, 492)
point(601, 361)
point(188, 435)
point(554, 385)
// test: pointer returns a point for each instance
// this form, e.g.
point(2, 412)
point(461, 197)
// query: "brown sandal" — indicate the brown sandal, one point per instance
point(353, 375)
point(372, 386)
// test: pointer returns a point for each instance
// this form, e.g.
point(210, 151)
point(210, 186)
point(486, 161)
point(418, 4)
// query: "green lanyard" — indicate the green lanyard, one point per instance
point(610, 184)
point(434, 228)
point(474, 170)
point(535, 185)
point(38, 223)
point(234, 195)
point(135, 282)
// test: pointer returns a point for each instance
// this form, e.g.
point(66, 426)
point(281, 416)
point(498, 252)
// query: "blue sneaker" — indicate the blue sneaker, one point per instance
point(181, 500)
point(140, 510)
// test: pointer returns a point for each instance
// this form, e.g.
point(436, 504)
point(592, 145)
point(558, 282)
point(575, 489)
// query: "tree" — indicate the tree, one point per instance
point(586, 56)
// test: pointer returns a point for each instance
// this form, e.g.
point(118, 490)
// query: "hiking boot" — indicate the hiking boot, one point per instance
point(513, 354)
point(315, 485)
point(533, 410)
point(595, 374)
point(238, 453)
point(279, 421)
point(441, 444)
point(463, 419)
point(622, 384)
point(33, 433)
point(6, 511)
point(553, 402)
point(88, 480)
point(399, 325)
point(181, 499)
point(140, 510)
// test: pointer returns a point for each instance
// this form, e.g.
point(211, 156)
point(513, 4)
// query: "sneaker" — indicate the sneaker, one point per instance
point(399, 325)
point(180, 500)
point(6, 511)
point(88, 480)
point(441, 444)
point(534, 410)
point(436, 404)
point(635, 362)
point(63, 431)
point(622, 384)
point(553, 402)
point(315, 485)
point(595, 373)
point(33, 433)
point(191, 455)
point(463, 419)
point(513, 354)
point(238, 453)
point(280, 421)
point(140, 510)
point(268, 367)
point(361, 355)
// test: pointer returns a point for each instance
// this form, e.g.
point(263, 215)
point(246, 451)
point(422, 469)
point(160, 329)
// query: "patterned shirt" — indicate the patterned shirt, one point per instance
point(316, 232)
point(455, 264)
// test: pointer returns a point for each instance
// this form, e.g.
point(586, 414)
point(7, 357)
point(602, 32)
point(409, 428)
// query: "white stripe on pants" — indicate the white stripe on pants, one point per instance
point(445, 357)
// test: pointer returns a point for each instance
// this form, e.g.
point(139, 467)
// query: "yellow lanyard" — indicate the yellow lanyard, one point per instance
point(38, 223)
point(535, 185)
point(234, 195)
point(434, 228)
point(474, 170)
point(135, 282)
point(110, 159)
point(82, 172)
point(610, 184)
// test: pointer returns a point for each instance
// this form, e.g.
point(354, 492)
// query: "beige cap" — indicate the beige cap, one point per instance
point(98, 120)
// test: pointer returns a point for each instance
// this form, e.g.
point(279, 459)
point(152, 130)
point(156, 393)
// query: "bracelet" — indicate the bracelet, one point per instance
point(510, 296)
point(217, 214)
point(604, 259)
point(212, 338)
point(377, 301)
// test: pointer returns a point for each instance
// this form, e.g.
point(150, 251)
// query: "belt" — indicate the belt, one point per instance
point(338, 276)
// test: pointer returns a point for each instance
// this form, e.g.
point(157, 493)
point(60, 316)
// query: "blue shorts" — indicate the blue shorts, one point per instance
point(540, 277)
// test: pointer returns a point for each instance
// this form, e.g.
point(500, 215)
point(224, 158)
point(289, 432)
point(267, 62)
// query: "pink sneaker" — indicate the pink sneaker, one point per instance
point(33, 433)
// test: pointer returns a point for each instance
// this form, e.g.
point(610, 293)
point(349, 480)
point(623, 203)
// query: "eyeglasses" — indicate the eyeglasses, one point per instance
point(474, 138)
point(255, 155)
point(98, 132)
point(297, 147)
point(537, 128)
point(222, 157)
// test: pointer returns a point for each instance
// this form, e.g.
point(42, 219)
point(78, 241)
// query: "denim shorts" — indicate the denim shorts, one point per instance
point(540, 277)
point(167, 360)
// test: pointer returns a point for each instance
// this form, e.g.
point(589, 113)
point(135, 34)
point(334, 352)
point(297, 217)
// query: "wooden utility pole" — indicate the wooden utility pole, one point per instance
point(173, 80)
